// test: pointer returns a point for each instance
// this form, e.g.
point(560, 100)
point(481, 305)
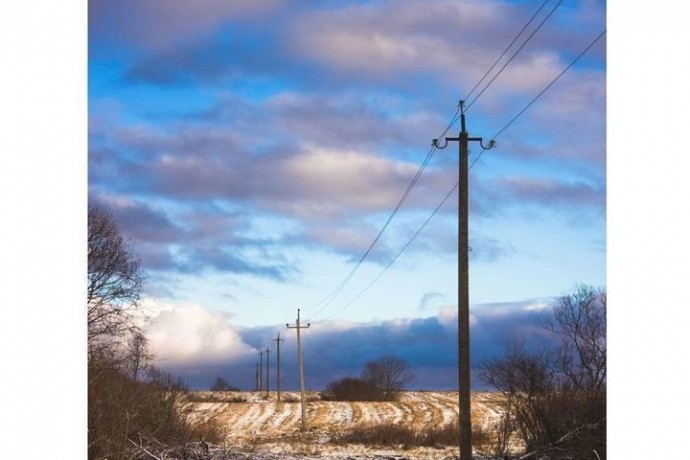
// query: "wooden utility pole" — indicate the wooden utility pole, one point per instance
point(267, 381)
point(257, 376)
point(277, 341)
point(465, 422)
point(301, 367)
point(261, 370)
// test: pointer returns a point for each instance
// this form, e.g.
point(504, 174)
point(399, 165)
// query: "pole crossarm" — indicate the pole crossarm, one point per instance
point(492, 143)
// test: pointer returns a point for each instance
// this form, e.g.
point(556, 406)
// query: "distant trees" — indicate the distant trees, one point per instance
point(220, 384)
point(351, 389)
point(381, 380)
point(389, 375)
point(551, 393)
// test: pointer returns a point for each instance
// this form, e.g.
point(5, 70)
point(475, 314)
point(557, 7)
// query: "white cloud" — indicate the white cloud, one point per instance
point(189, 333)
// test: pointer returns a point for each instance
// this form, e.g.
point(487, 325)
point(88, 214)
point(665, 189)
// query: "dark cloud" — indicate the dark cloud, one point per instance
point(579, 198)
point(203, 239)
point(334, 349)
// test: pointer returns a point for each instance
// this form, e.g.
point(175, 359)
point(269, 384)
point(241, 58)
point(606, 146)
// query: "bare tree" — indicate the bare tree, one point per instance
point(114, 280)
point(389, 374)
point(552, 393)
point(526, 381)
point(138, 356)
point(579, 318)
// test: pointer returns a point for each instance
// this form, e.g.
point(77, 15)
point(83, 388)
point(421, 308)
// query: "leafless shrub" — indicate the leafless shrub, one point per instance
point(389, 375)
point(550, 393)
point(351, 389)
point(220, 384)
point(382, 380)
point(393, 434)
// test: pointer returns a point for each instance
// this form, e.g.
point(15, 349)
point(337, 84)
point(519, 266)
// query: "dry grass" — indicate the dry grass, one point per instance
point(421, 423)
point(405, 437)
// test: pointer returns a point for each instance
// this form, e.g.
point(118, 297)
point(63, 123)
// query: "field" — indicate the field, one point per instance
point(253, 422)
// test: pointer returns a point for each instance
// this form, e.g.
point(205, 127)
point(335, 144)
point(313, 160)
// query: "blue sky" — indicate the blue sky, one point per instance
point(253, 151)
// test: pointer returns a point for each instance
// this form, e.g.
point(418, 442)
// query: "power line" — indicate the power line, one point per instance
point(541, 93)
point(326, 301)
point(332, 295)
point(450, 192)
point(514, 55)
point(404, 248)
point(505, 51)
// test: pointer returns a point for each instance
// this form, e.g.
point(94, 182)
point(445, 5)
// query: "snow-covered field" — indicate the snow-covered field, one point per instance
point(254, 422)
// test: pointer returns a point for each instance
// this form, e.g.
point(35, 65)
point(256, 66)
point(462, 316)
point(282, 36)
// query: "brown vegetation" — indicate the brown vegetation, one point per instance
point(549, 394)
point(382, 380)
point(132, 406)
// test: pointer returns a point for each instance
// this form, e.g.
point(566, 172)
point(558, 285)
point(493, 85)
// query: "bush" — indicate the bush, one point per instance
point(389, 375)
point(351, 389)
point(552, 393)
point(220, 384)
point(123, 411)
point(382, 380)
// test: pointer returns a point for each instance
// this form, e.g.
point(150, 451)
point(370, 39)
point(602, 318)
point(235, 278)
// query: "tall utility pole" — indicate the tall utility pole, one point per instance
point(301, 367)
point(464, 286)
point(277, 341)
point(261, 369)
point(267, 385)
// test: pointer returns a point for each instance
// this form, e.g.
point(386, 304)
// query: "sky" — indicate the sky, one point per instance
point(252, 152)
point(44, 192)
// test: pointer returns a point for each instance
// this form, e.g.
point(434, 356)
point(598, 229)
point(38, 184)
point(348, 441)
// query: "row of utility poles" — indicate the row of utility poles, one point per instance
point(259, 367)
point(465, 427)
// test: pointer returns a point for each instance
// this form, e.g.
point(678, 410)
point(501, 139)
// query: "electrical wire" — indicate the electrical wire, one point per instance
point(541, 93)
point(506, 50)
point(326, 301)
point(404, 248)
point(514, 55)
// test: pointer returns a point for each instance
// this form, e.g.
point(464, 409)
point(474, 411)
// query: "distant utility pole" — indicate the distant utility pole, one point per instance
point(301, 368)
point(277, 341)
point(261, 370)
point(464, 286)
point(267, 384)
point(257, 375)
